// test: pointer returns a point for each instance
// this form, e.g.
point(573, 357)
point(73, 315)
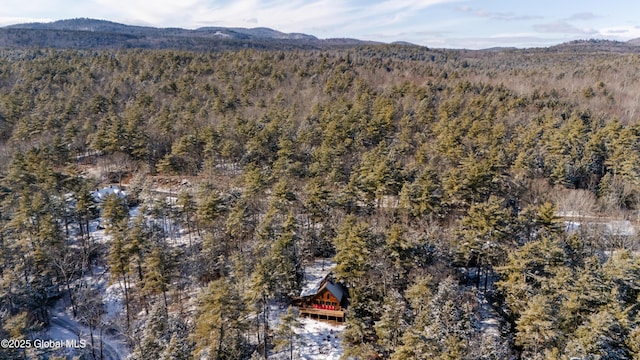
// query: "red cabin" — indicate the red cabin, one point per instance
point(325, 302)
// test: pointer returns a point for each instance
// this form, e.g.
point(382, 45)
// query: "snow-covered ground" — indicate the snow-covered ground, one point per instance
point(314, 273)
point(488, 318)
point(319, 340)
point(316, 340)
point(100, 194)
point(64, 324)
point(608, 227)
point(64, 327)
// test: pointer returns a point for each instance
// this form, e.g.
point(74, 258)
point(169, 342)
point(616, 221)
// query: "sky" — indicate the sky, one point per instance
point(471, 24)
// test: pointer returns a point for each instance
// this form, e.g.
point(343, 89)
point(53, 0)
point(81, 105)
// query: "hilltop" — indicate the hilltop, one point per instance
point(101, 34)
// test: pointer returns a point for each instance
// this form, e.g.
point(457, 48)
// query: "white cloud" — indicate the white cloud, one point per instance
point(144, 12)
point(404, 5)
point(323, 18)
point(562, 27)
point(14, 7)
point(288, 16)
point(584, 16)
point(45, 9)
point(9, 20)
point(506, 16)
point(621, 33)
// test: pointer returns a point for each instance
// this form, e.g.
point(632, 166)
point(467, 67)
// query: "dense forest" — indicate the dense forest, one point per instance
point(444, 184)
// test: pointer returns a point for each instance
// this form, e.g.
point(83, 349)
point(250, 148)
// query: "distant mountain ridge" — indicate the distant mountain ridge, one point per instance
point(94, 25)
point(86, 33)
point(96, 34)
point(634, 42)
point(598, 45)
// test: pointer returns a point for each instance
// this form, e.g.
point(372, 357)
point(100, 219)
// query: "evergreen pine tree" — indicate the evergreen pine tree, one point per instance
point(537, 328)
point(285, 333)
point(219, 325)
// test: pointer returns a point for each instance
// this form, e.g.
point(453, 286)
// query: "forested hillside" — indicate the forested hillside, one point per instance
point(450, 188)
point(95, 34)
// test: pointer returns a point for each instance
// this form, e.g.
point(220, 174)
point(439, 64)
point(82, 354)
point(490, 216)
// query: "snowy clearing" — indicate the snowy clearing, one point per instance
point(316, 340)
point(314, 273)
point(319, 340)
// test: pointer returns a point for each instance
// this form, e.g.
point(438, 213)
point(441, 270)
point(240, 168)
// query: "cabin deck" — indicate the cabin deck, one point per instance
point(322, 314)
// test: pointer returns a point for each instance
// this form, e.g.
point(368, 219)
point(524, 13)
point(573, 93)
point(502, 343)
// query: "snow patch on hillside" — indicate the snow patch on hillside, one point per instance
point(319, 340)
point(606, 227)
point(100, 194)
point(314, 273)
point(315, 340)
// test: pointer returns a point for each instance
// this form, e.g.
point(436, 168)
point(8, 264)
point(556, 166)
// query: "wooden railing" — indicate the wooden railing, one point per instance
point(323, 307)
point(323, 312)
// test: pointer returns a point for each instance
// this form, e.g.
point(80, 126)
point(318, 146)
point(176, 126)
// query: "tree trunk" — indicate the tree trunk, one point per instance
point(218, 355)
point(73, 305)
point(166, 305)
point(126, 300)
point(93, 344)
point(101, 345)
point(291, 344)
point(265, 308)
point(486, 280)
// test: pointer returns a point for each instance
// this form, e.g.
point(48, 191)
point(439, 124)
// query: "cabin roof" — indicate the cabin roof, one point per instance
point(327, 284)
point(312, 288)
point(335, 290)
